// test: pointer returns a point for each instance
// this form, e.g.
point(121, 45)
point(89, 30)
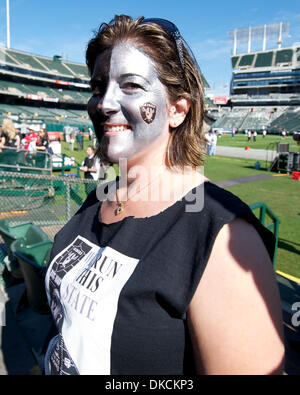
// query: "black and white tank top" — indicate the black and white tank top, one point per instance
point(119, 293)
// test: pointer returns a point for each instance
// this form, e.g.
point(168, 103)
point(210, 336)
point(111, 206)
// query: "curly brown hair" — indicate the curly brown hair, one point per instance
point(186, 146)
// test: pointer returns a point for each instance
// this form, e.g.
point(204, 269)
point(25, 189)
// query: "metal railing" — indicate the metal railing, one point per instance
point(25, 161)
point(266, 212)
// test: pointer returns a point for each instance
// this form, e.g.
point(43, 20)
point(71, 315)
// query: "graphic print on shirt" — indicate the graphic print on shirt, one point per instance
point(83, 284)
point(59, 360)
point(60, 267)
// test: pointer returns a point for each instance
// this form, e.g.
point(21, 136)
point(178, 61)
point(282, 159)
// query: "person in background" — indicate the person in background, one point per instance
point(79, 139)
point(254, 136)
point(249, 136)
point(43, 142)
point(208, 139)
point(214, 140)
point(91, 168)
point(71, 141)
point(90, 133)
point(31, 140)
point(10, 136)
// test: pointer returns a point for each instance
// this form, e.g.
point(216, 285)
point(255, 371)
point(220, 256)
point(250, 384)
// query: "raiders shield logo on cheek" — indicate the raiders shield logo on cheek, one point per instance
point(148, 112)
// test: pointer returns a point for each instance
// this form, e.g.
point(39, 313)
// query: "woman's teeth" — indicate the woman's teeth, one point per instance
point(116, 129)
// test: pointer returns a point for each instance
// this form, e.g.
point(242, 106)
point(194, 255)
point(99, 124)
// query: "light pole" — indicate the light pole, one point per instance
point(7, 25)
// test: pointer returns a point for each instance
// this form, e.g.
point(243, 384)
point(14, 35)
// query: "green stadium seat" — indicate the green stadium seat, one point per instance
point(10, 233)
point(7, 58)
point(7, 157)
point(33, 245)
point(78, 69)
point(32, 253)
point(56, 67)
point(26, 60)
point(41, 160)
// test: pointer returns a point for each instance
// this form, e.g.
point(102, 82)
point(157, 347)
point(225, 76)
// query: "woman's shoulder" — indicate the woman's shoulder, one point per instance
point(220, 208)
point(215, 202)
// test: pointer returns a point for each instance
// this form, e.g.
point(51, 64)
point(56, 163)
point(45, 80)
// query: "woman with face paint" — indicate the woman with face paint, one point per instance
point(161, 272)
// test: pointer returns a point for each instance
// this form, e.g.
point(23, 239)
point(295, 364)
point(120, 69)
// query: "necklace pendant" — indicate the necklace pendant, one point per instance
point(120, 208)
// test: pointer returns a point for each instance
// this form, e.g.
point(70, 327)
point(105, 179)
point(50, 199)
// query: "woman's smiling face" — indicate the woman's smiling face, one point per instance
point(129, 106)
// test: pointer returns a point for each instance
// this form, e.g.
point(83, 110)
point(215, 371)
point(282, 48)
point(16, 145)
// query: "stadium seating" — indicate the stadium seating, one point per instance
point(234, 61)
point(257, 119)
point(17, 88)
point(264, 59)
point(284, 56)
point(78, 69)
point(263, 79)
point(24, 60)
point(289, 120)
point(55, 66)
point(233, 119)
point(246, 60)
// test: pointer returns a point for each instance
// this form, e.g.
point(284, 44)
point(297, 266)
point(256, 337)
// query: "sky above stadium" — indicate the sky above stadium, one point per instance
point(63, 27)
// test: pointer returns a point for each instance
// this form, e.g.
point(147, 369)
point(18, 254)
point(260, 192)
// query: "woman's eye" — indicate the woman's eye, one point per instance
point(129, 86)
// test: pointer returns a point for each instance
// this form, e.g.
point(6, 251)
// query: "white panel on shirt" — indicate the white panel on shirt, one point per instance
point(89, 292)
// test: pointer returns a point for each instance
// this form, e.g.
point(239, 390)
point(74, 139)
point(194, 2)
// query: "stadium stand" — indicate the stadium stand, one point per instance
point(232, 119)
point(264, 91)
point(35, 88)
point(289, 120)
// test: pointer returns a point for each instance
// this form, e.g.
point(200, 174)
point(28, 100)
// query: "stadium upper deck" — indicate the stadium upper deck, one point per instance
point(264, 91)
point(41, 66)
point(34, 87)
point(27, 75)
point(267, 76)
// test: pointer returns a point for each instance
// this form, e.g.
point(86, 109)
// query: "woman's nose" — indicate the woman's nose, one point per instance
point(109, 103)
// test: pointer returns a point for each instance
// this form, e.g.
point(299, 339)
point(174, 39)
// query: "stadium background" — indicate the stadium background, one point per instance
point(264, 92)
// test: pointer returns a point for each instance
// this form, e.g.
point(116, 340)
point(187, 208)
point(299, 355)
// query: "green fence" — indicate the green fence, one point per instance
point(44, 200)
point(24, 161)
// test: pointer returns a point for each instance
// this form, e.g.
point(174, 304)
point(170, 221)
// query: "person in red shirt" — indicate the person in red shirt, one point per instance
point(31, 139)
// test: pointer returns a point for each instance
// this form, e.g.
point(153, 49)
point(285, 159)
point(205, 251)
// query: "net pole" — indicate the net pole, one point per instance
point(265, 38)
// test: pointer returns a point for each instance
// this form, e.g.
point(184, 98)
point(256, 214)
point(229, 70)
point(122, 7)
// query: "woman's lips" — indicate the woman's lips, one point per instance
point(111, 129)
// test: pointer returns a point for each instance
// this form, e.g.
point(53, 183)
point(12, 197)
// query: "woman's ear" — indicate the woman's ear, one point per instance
point(178, 112)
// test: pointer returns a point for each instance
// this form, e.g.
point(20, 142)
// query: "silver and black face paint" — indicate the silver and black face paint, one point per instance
point(129, 107)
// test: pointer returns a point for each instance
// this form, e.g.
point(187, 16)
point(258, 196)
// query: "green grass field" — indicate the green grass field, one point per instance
point(269, 142)
point(218, 168)
point(280, 193)
point(77, 155)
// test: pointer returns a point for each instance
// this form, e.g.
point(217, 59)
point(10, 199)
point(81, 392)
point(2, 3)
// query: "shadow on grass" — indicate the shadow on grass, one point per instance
point(262, 168)
point(286, 245)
